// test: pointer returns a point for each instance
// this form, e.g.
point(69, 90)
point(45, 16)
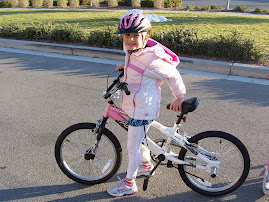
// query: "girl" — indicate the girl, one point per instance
point(147, 64)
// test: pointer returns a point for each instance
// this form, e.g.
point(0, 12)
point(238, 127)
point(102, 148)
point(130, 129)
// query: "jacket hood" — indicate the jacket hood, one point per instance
point(159, 50)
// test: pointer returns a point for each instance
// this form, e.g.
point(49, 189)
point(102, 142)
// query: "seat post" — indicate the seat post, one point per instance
point(180, 117)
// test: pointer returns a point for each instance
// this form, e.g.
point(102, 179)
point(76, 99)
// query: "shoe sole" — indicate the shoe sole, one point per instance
point(121, 194)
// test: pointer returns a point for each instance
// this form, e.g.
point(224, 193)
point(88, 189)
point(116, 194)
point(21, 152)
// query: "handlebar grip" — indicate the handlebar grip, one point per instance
point(168, 106)
point(125, 88)
point(122, 73)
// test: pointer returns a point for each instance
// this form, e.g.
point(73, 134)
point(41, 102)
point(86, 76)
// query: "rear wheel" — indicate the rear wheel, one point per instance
point(233, 169)
point(73, 153)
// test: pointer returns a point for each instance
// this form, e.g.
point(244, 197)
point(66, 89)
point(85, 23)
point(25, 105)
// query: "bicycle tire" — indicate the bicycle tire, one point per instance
point(227, 178)
point(71, 147)
point(265, 181)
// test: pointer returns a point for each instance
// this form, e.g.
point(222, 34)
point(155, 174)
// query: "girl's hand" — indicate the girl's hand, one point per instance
point(120, 66)
point(176, 104)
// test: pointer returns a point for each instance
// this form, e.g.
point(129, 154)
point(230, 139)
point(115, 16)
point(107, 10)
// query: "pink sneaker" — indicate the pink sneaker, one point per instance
point(144, 170)
point(121, 189)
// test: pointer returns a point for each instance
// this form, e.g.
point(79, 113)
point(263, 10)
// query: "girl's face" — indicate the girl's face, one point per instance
point(134, 41)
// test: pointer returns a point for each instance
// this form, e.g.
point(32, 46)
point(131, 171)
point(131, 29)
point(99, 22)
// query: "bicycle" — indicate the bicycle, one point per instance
point(265, 183)
point(212, 163)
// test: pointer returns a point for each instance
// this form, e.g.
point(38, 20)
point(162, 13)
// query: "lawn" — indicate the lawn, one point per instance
point(206, 24)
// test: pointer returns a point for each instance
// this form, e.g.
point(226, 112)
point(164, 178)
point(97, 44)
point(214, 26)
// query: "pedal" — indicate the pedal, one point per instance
point(145, 184)
point(169, 164)
point(161, 158)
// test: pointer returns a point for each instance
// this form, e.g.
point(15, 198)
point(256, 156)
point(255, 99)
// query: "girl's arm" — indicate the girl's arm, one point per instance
point(172, 76)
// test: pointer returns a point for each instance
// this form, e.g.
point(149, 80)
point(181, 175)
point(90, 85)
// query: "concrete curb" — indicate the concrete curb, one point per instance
point(227, 68)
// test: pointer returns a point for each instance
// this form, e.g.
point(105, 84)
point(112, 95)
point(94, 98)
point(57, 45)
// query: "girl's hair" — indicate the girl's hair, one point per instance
point(134, 23)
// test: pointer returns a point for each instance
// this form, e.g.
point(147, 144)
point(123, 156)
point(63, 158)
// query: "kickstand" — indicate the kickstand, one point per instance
point(161, 158)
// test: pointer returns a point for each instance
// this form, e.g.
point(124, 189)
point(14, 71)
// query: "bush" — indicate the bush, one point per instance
point(261, 10)
point(232, 47)
point(136, 3)
point(206, 8)
point(74, 3)
point(158, 3)
point(84, 2)
point(14, 3)
point(48, 3)
point(189, 7)
point(94, 3)
point(180, 40)
point(147, 3)
point(172, 3)
point(242, 9)
point(214, 7)
point(125, 2)
point(68, 33)
point(37, 3)
point(105, 37)
point(62, 3)
point(5, 4)
point(23, 3)
point(112, 3)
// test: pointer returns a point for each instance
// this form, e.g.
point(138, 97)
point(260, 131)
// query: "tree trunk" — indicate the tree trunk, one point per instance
point(228, 5)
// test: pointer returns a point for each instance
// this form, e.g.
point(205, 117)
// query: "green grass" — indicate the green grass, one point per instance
point(206, 24)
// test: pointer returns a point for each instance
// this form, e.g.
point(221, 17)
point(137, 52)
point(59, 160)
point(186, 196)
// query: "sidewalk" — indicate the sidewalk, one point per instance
point(226, 68)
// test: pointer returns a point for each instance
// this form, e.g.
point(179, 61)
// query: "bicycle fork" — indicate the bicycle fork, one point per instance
point(100, 125)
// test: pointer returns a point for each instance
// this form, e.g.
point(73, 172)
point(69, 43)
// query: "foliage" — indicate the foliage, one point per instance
point(172, 3)
point(23, 3)
point(62, 3)
point(261, 10)
point(37, 3)
point(241, 8)
point(74, 3)
point(84, 2)
point(5, 4)
point(232, 47)
point(158, 3)
point(14, 3)
point(180, 40)
point(147, 3)
point(206, 8)
point(190, 7)
point(94, 3)
point(136, 3)
point(112, 3)
point(105, 37)
point(48, 3)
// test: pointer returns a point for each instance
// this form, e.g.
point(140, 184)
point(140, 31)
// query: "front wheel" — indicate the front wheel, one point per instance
point(223, 147)
point(75, 157)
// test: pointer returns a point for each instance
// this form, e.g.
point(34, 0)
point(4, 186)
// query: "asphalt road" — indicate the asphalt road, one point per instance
point(42, 95)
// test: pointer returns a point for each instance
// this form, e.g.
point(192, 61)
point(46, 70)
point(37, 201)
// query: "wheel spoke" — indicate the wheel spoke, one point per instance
point(231, 172)
point(70, 153)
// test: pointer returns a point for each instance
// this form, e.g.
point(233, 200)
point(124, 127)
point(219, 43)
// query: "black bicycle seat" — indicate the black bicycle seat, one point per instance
point(190, 105)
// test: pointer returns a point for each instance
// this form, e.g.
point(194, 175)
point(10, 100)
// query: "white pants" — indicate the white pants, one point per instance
point(136, 151)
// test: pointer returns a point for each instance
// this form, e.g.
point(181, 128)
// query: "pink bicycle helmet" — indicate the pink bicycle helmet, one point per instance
point(133, 23)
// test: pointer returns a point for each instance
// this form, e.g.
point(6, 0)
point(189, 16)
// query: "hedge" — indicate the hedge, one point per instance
point(180, 40)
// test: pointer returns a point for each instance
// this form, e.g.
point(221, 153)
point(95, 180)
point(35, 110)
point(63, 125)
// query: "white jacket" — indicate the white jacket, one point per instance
point(145, 71)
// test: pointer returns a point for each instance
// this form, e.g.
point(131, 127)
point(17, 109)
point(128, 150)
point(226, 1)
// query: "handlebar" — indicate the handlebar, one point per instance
point(119, 86)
